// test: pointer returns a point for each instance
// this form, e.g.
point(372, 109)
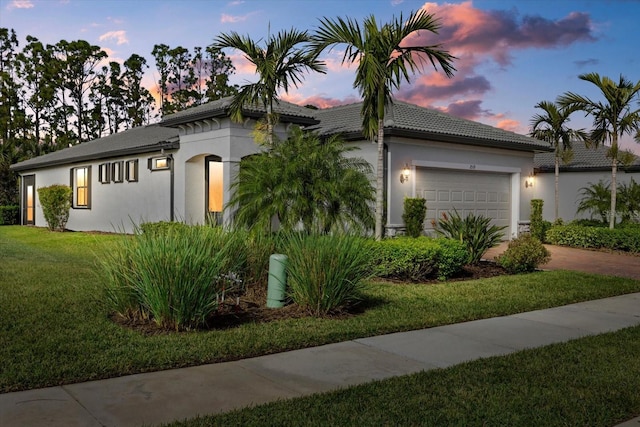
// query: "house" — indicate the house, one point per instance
point(181, 168)
point(588, 166)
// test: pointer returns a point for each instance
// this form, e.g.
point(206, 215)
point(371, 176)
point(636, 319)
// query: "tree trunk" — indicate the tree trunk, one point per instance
point(380, 181)
point(614, 185)
point(557, 187)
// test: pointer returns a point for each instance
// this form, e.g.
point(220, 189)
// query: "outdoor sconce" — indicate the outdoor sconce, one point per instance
point(404, 175)
point(528, 182)
point(159, 163)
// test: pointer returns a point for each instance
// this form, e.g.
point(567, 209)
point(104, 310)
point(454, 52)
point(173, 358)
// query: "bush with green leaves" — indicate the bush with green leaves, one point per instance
point(325, 273)
point(418, 259)
point(56, 203)
point(524, 254)
point(624, 238)
point(414, 212)
point(9, 215)
point(537, 227)
point(629, 201)
point(475, 231)
point(176, 276)
point(304, 181)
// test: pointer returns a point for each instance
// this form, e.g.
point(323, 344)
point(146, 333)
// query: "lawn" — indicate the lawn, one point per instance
point(55, 328)
point(592, 381)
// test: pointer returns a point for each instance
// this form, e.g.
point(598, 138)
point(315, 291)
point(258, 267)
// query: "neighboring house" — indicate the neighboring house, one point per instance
point(588, 166)
point(181, 168)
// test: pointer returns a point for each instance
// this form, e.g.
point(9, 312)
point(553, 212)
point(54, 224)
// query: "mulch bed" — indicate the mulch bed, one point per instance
point(251, 306)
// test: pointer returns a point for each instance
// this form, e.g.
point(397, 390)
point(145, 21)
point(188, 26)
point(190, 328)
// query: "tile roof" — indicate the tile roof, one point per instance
point(412, 120)
point(220, 108)
point(141, 139)
point(583, 159)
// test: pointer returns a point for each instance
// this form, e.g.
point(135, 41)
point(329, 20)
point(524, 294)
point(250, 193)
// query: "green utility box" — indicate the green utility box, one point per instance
point(276, 290)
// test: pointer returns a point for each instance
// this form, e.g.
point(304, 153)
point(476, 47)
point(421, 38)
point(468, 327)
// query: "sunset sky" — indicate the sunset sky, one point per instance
point(511, 54)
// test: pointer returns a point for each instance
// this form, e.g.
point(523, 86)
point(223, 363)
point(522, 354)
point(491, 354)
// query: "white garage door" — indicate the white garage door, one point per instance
point(480, 193)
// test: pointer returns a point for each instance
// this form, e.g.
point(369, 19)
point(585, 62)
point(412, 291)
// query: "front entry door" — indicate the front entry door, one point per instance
point(29, 200)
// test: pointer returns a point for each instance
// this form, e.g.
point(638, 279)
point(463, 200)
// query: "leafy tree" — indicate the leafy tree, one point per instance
point(38, 83)
point(304, 181)
point(384, 62)
point(550, 126)
point(219, 68)
point(596, 199)
point(281, 63)
point(612, 119)
point(79, 60)
point(137, 98)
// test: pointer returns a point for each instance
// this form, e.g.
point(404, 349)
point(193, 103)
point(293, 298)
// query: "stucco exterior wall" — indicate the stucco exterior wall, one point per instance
point(224, 138)
point(457, 157)
point(570, 185)
point(114, 206)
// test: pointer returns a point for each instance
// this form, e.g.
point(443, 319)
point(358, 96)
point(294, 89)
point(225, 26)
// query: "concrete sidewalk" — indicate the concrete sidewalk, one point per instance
point(166, 396)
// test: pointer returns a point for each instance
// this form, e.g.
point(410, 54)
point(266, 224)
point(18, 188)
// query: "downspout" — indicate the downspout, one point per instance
point(171, 188)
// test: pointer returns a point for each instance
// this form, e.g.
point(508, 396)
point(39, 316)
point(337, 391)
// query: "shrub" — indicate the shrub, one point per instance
point(537, 224)
point(415, 210)
point(56, 203)
point(326, 272)
point(9, 215)
point(476, 232)
point(418, 259)
point(625, 238)
point(524, 254)
point(176, 277)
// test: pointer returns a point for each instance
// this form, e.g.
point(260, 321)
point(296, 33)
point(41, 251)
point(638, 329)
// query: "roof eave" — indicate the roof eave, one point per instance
point(165, 145)
point(224, 112)
point(466, 140)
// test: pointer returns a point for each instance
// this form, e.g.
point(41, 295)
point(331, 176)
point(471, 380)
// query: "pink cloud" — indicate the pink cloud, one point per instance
point(318, 100)
point(20, 4)
point(119, 36)
point(225, 19)
point(510, 125)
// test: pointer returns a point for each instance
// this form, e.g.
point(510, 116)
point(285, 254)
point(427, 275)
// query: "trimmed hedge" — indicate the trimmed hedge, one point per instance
point(9, 215)
point(622, 239)
point(418, 259)
point(56, 203)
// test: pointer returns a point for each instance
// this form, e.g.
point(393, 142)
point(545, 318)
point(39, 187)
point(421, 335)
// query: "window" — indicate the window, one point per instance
point(104, 173)
point(81, 185)
point(132, 171)
point(116, 171)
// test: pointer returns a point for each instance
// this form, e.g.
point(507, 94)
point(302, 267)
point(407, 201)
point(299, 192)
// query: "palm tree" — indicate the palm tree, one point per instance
point(596, 198)
point(304, 181)
point(611, 119)
point(279, 64)
point(550, 126)
point(383, 63)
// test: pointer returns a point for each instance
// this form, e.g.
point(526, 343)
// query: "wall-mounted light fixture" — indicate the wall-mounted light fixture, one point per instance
point(404, 175)
point(159, 163)
point(528, 182)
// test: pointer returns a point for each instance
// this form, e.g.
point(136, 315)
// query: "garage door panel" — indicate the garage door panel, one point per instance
point(479, 193)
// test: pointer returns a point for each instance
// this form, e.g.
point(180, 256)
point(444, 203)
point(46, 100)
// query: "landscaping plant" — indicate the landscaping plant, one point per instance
point(537, 225)
point(415, 210)
point(56, 203)
point(523, 255)
point(418, 259)
point(176, 276)
point(326, 272)
point(476, 232)
point(625, 238)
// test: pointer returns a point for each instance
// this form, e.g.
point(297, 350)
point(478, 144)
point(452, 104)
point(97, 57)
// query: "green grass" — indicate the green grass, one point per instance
point(592, 381)
point(55, 328)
